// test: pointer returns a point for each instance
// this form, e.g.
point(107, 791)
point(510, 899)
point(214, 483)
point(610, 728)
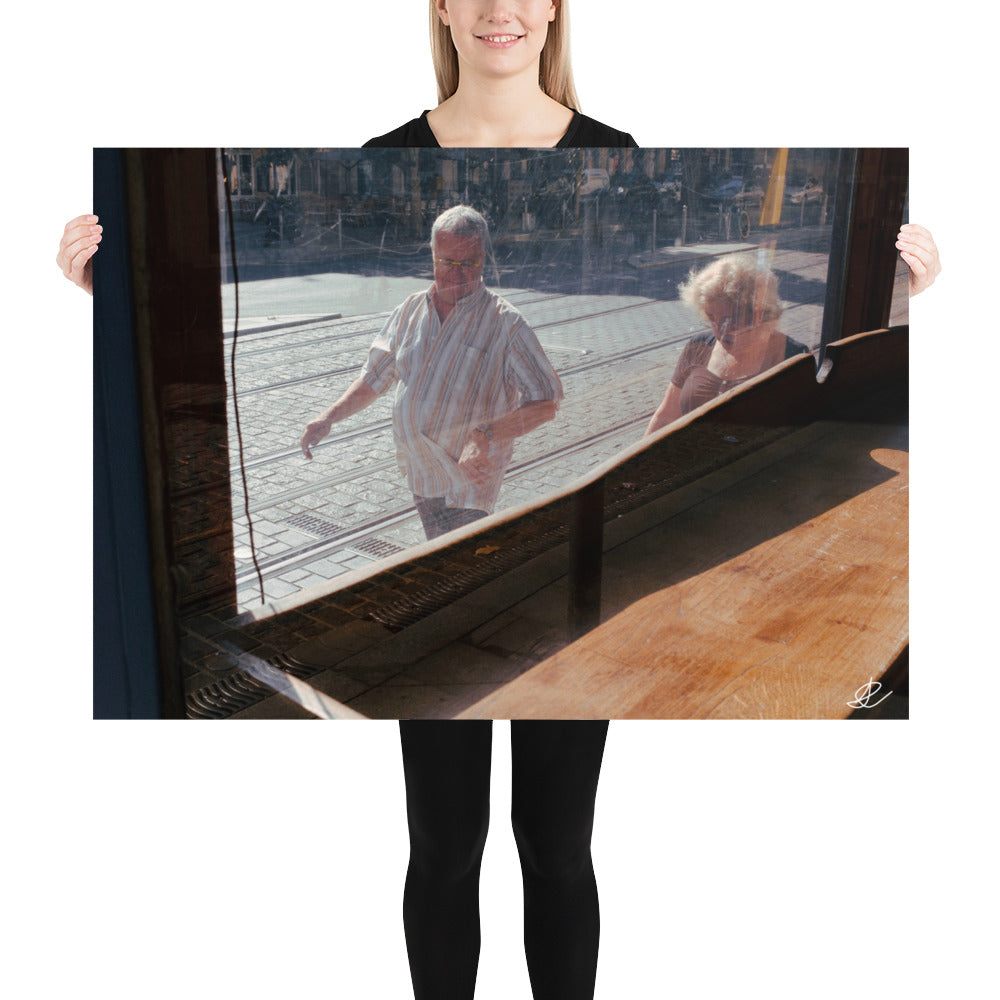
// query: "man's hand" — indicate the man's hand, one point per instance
point(916, 246)
point(474, 460)
point(76, 251)
point(359, 395)
point(313, 434)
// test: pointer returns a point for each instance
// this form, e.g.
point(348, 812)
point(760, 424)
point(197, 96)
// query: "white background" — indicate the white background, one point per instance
point(778, 860)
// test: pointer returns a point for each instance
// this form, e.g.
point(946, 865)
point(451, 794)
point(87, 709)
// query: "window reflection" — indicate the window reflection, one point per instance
point(592, 247)
point(736, 296)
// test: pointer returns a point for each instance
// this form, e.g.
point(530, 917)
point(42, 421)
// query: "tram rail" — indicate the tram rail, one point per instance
point(332, 372)
point(351, 537)
point(385, 425)
point(374, 534)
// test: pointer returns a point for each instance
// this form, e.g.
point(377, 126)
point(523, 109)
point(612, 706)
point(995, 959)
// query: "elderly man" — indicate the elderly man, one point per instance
point(471, 378)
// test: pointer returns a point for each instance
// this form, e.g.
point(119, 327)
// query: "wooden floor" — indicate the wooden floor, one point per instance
point(779, 595)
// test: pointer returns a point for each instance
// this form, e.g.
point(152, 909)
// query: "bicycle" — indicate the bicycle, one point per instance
point(733, 218)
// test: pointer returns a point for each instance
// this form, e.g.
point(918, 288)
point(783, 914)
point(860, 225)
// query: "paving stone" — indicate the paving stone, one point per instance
point(354, 476)
point(277, 587)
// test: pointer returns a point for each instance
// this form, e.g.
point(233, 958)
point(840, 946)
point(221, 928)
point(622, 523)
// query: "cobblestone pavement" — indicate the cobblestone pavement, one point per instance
point(349, 506)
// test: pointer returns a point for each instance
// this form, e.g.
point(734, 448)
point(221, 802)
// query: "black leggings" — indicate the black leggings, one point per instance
point(555, 767)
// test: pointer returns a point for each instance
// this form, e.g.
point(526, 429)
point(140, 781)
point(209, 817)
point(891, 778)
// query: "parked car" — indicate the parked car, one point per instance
point(593, 180)
point(738, 191)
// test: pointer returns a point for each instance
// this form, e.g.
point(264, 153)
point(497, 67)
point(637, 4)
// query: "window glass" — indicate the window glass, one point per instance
point(592, 248)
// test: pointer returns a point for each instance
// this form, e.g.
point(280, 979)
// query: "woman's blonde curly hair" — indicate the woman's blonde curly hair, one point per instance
point(555, 74)
point(743, 280)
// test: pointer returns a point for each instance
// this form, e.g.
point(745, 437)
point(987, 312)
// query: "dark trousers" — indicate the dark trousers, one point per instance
point(555, 768)
point(438, 519)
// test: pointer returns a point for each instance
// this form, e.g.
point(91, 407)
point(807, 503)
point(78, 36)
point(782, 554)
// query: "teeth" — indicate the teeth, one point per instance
point(500, 38)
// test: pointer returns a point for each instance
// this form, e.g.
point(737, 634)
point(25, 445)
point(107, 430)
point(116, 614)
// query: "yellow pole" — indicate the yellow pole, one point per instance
point(770, 214)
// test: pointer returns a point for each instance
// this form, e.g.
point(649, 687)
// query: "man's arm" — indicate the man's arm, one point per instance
point(359, 395)
point(521, 421)
point(510, 426)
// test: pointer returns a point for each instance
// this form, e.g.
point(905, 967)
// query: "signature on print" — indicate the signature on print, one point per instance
point(864, 694)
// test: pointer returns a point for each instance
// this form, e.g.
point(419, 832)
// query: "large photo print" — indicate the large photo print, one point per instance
point(382, 467)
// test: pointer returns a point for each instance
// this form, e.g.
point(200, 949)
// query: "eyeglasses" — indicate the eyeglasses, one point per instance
point(443, 262)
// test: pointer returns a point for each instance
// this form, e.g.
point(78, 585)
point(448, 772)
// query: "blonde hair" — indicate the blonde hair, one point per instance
point(555, 74)
point(747, 284)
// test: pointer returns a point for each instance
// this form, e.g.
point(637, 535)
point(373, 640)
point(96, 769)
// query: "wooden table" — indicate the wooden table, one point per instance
point(780, 595)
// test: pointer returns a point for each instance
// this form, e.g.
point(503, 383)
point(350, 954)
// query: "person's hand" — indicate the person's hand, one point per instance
point(76, 251)
point(474, 461)
point(917, 247)
point(313, 434)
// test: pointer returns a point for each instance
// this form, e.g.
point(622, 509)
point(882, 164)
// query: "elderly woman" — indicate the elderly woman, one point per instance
point(738, 296)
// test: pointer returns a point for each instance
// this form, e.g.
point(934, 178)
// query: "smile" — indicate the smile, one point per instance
point(499, 41)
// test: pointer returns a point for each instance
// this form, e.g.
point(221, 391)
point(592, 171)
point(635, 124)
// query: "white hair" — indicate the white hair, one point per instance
point(461, 220)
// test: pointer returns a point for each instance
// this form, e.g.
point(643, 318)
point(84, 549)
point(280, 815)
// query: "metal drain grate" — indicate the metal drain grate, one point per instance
point(225, 697)
point(292, 666)
point(314, 525)
point(377, 547)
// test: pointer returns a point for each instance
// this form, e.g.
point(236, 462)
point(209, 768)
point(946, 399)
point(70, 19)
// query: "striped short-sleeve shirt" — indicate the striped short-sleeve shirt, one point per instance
point(483, 362)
